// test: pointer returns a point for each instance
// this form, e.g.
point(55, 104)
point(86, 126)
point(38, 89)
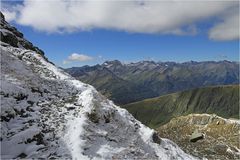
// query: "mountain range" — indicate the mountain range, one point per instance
point(127, 83)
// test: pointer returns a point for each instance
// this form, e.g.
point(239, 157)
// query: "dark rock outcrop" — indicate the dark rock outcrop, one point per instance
point(13, 37)
point(156, 138)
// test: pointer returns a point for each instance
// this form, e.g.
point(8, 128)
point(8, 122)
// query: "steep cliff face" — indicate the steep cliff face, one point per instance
point(220, 136)
point(45, 113)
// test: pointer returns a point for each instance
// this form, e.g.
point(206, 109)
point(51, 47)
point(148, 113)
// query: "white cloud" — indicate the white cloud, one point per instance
point(228, 29)
point(142, 16)
point(77, 57)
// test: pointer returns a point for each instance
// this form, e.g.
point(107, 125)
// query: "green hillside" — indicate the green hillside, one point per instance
point(221, 100)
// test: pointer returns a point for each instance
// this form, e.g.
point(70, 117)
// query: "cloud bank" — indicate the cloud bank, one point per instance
point(75, 57)
point(228, 29)
point(139, 16)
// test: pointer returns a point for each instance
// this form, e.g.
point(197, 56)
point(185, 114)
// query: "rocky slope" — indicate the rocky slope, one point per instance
point(221, 100)
point(45, 113)
point(221, 136)
point(126, 83)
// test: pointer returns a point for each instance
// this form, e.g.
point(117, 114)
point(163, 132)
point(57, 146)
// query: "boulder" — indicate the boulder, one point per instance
point(156, 138)
point(196, 136)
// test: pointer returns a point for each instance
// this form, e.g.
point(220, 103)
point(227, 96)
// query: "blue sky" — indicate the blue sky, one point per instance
point(127, 44)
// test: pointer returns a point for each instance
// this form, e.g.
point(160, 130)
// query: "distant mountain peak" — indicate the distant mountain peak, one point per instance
point(113, 62)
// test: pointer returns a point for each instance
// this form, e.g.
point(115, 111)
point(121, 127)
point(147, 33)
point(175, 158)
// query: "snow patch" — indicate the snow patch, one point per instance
point(106, 151)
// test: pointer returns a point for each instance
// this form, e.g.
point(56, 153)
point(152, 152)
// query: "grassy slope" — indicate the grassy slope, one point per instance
point(221, 100)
